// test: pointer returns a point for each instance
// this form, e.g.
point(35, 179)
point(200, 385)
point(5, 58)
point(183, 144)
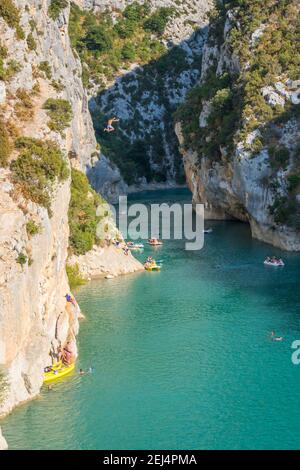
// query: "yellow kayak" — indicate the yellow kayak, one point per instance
point(154, 267)
point(57, 371)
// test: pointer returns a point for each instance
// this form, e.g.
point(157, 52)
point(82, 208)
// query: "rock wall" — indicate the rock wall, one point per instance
point(244, 179)
point(145, 98)
point(34, 319)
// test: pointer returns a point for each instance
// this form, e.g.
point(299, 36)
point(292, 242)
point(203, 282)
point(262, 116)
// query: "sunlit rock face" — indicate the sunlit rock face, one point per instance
point(254, 175)
point(144, 98)
point(34, 317)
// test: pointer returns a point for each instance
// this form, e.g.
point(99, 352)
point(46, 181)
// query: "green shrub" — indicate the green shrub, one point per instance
point(13, 67)
point(5, 144)
point(57, 85)
point(32, 228)
point(22, 259)
point(128, 52)
point(74, 276)
point(39, 165)
point(3, 55)
point(44, 66)
point(31, 43)
point(24, 107)
point(11, 14)
point(60, 113)
point(82, 214)
point(279, 157)
point(56, 6)
point(158, 20)
point(293, 181)
point(98, 39)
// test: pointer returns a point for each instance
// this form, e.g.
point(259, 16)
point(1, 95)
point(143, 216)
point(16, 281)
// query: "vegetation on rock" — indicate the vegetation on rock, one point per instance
point(56, 6)
point(74, 276)
point(5, 144)
point(83, 217)
point(32, 228)
point(134, 37)
point(60, 113)
point(262, 40)
point(11, 14)
point(39, 166)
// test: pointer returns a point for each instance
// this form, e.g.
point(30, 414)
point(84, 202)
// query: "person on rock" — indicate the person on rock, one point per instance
point(67, 355)
point(69, 298)
point(109, 127)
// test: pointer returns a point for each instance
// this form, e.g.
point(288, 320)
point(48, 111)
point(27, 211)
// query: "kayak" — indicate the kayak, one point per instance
point(207, 230)
point(155, 244)
point(57, 371)
point(153, 268)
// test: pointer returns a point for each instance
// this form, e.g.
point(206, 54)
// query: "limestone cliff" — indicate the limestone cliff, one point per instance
point(239, 130)
point(38, 64)
point(45, 128)
point(153, 60)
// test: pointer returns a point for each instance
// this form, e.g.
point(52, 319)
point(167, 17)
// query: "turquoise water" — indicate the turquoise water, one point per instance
point(182, 358)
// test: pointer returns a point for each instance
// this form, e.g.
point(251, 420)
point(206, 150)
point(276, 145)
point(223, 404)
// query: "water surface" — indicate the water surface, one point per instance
point(181, 358)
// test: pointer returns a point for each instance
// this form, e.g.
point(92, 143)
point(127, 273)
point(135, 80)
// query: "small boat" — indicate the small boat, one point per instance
point(57, 371)
point(135, 246)
point(153, 267)
point(273, 262)
point(154, 242)
point(207, 230)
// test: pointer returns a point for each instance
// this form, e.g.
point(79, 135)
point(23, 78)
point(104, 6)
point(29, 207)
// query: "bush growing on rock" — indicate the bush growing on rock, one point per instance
point(158, 20)
point(24, 107)
point(56, 6)
point(74, 276)
point(31, 43)
point(60, 113)
point(83, 219)
point(5, 144)
point(44, 66)
point(11, 14)
point(22, 259)
point(39, 166)
point(32, 228)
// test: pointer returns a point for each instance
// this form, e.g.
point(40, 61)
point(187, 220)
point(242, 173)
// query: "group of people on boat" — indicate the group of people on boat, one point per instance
point(154, 242)
point(151, 265)
point(274, 261)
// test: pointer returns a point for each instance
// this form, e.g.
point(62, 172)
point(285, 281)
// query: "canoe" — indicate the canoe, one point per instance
point(155, 244)
point(58, 371)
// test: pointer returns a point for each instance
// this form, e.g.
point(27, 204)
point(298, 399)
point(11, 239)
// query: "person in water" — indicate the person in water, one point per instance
point(276, 338)
point(109, 127)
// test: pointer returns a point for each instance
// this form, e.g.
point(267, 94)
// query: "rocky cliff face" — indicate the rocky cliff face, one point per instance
point(38, 64)
point(239, 130)
point(146, 87)
point(45, 128)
